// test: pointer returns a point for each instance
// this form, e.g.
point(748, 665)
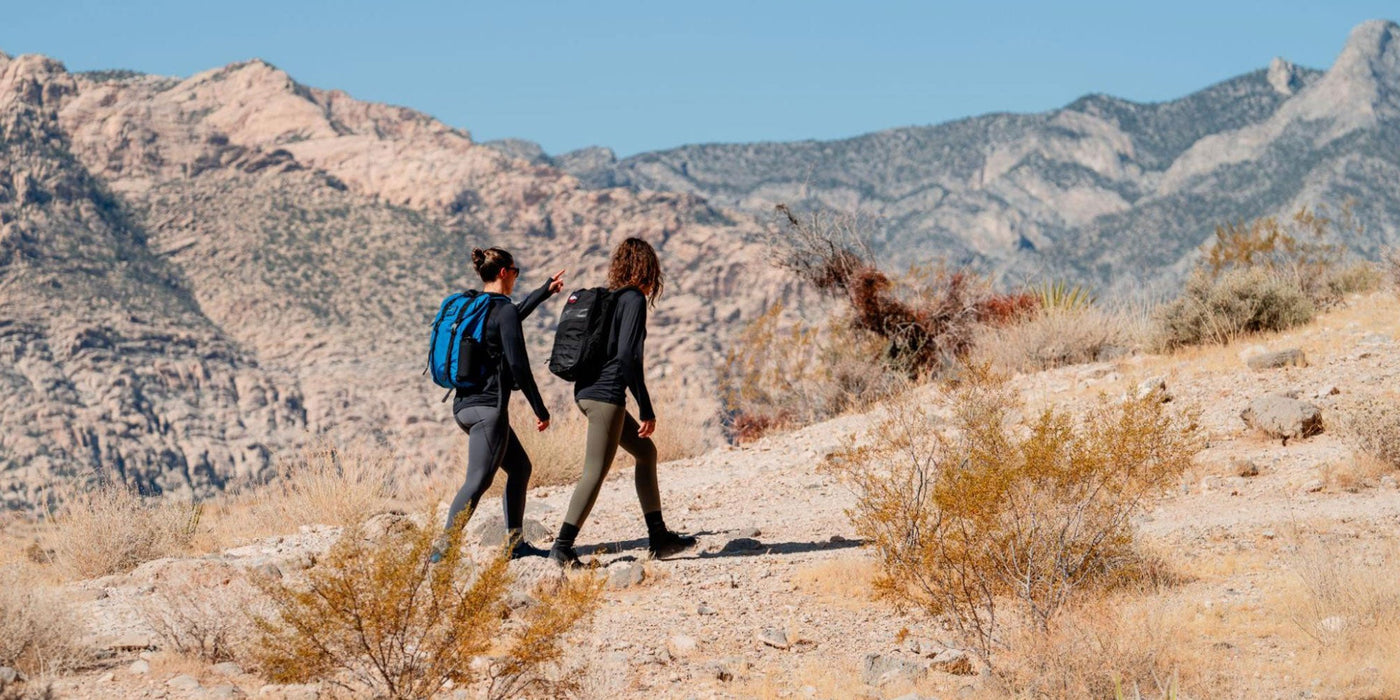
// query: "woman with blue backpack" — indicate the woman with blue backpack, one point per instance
point(487, 359)
point(634, 280)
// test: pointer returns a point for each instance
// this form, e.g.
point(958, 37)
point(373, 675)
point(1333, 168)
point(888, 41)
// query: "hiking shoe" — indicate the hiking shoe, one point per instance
point(524, 549)
point(668, 543)
point(565, 557)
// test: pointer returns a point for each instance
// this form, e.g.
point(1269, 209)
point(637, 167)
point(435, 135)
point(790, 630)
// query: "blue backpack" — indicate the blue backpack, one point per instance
point(457, 354)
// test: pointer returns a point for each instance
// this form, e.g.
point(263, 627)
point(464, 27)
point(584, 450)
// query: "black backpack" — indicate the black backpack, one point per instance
point(581, 340)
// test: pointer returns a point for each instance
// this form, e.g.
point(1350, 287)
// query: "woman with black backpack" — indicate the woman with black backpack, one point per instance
point(635, 280)
point(483, 411)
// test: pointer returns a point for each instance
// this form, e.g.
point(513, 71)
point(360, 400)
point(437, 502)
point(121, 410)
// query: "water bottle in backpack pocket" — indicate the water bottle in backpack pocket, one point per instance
point(457, 353)
point(581, 340)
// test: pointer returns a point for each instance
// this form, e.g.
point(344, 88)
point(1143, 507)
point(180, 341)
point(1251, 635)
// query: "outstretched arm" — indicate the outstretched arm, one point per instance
point(546, 290)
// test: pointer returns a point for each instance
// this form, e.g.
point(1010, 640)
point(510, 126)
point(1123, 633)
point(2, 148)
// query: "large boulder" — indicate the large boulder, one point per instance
point(1283, 417)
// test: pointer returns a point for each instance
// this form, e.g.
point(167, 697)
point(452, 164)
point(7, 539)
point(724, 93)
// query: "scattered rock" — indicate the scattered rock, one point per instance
point(227, 668)
point(224, 692)
point(742, 544)
point(380, 526)
point(881, 669)
point(1313, 486)
point(1325, 391)
point(1291, 357)
point(269, 569)
point(748, 532)
point(704, 609)
point(140, 667)
point(912, 696)
point(1375, 339)
point(626, 575)
point(131, 641)
point(774, 637)
point(954, 661)
point(1333, 624)
point(184, 683)
point(1283, 417)
point(8, 675)
point(1244, 467)
point(1154, 385)
point(1389, 481)
point(492, 532)
point(290, 692)
point(681, 646)
point(723, 581)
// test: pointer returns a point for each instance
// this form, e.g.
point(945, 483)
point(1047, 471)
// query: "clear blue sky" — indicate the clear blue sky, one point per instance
point(640, 76)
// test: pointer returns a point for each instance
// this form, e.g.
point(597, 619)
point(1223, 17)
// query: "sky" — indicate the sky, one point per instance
point(641, 76)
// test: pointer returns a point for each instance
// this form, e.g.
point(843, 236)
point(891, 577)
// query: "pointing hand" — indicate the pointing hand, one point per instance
point(556, 283)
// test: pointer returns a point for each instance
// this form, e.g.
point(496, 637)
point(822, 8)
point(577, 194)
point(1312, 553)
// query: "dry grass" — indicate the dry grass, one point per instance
point(845, 583)
point(39, 633)
point(1218, 310)
point(1348, 611)
point(203, 611)
point(112, 529)
point(1371, 422)
point(326, 484)
point(1054, 337)
point(826, 678)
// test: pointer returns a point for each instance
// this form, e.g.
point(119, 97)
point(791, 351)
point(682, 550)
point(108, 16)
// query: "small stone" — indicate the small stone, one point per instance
point(742, 544)
point(224, 692)
point(107, 677)
point(1282, 417)
point(880, 669)
point(492, 532)
point(723, 581)
point(1244, 467)
point(1313, 486)
point(627, 575)
point(1154, 385)
point(269, 570)
point(681, 646)
point(721, 672)
point(1389, 481)
point(290, 692)
point(704, 609)
point(774, 637)
point(140, 667)
point(748, 532)
point(910, 696)
point(954, 661)
point(227, 668)
point(8, 675)
point(1291, 357)
point(131, 641)
point(1333, 624)
point(184, 683)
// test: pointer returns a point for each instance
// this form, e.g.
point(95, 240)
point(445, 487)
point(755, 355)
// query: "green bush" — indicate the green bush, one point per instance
point(1220, 308)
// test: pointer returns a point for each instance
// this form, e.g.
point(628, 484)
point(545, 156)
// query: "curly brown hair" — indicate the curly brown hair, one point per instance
point(634, 264)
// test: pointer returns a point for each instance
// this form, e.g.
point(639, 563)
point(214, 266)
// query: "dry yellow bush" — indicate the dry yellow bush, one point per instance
point(976, 517)
point(39, 633)
point(112, 529)
point(378, 618)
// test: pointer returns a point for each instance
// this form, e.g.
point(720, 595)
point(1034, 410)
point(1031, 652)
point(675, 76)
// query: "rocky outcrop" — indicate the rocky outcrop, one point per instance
point(1283, 417)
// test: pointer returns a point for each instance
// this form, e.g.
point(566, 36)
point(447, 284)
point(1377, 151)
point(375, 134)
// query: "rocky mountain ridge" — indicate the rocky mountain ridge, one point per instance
point(1104, 190)
point(197, 276)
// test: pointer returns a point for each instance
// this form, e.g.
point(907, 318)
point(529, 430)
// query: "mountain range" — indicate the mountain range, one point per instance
point(1106, 191)
point(200, 274)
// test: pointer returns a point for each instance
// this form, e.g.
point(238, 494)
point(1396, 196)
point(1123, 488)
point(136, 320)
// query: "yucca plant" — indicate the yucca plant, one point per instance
point(1060, 295)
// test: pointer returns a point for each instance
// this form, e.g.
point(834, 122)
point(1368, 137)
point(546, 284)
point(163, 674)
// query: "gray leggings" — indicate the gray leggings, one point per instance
point(491, 444)
point(609, 425)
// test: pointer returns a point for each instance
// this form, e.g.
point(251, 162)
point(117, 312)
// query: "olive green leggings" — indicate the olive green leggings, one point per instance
point(610, 425)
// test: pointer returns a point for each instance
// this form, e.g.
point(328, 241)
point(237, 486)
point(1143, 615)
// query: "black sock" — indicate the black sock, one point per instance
point(656, 527)
point(514, 536)
point(567, 533)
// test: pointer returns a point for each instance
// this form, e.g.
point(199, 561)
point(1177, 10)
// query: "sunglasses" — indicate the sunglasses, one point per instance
point(514, 269)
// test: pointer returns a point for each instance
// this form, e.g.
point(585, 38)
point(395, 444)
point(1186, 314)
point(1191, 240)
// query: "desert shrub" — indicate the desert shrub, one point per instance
point(1391, 264)
point(1063, 296)
point(1053, 337)
point(1305, 249)
point(780, 373)
point(203, 611)
point(39, 634)
point(1371, 423)
point(925, 320)
point(1238, 302)
point(113, 529)
point(974, 516)
point(378, 618)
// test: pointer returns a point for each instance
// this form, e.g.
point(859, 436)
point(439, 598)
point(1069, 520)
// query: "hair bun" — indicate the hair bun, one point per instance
point(478, 258)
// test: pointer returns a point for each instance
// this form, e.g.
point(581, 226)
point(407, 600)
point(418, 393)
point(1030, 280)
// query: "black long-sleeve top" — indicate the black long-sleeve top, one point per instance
point(505, 340)
point(623, 370)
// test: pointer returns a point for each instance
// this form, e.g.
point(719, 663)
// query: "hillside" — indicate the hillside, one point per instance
point(1104, 190)
point(248, 264)
point(777, 600)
